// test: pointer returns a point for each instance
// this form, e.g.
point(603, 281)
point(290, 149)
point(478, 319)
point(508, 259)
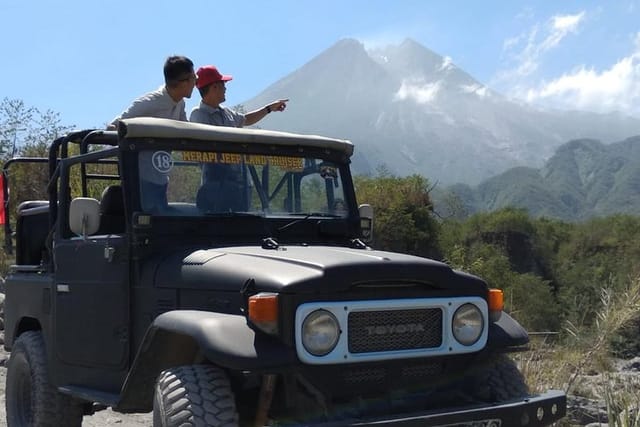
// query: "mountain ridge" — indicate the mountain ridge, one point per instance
point(584, 179)
point(412, 110)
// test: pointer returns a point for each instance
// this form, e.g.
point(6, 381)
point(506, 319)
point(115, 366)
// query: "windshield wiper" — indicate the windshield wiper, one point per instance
point(233, 214)
point(306, 216)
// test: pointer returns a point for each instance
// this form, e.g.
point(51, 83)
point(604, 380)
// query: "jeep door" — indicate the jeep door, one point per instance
point(91, 302)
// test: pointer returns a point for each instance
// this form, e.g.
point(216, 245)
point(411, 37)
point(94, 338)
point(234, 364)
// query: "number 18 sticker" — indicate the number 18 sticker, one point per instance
point(162, 161)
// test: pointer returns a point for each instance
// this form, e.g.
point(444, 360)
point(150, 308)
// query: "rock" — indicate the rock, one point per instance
point(582, 411)
point(630, 365)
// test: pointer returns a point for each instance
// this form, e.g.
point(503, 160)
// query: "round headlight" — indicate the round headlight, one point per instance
point(320, 332)
point(467, 324)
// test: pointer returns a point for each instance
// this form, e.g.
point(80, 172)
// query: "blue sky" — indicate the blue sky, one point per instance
point(88, 59)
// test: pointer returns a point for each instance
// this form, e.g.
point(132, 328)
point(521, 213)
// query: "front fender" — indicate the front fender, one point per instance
point(506, 334)
point(185, 337)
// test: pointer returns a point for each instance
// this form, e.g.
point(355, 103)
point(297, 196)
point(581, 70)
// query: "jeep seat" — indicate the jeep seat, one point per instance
point(32, 228)
point(112, 211)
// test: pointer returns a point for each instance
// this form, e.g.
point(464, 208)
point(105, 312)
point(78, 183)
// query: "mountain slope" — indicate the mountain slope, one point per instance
point(414, 111)
point(584, 179)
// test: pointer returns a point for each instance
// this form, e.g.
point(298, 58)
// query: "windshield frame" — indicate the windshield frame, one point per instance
point(176, 224)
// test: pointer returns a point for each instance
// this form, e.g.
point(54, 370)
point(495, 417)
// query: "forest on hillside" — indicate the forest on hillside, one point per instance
point(553, 272)
point(584, 179)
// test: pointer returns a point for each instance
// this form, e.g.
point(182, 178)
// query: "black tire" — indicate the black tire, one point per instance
point(500, 380)
point(198, 395)
point(30, 399)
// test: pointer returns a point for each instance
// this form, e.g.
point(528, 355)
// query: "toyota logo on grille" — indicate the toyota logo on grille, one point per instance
point(394, 329)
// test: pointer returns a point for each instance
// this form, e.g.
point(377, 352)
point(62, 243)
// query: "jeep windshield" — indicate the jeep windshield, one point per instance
point(220, 184)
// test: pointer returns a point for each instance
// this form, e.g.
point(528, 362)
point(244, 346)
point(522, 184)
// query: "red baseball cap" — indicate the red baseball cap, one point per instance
point(210, 74)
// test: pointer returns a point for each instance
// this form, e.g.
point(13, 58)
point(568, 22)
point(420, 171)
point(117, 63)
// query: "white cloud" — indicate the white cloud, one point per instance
point(480, 90)
point(381, 39)
point(615, 88)
point(418, 91)
point(537, 41)
point(566, 23)
point(447, 63)
point(511, 43)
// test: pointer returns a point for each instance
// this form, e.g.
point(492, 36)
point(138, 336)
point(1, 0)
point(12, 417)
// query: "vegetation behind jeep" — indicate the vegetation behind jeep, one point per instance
point(222, 277)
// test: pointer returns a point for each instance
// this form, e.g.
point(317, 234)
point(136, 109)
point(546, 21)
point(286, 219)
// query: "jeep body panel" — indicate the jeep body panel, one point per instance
point(199, 335)
point(301, 269)
point(30, 308)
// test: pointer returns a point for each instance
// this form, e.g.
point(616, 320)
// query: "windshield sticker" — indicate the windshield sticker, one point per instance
point(162, 161)
point(285, 163)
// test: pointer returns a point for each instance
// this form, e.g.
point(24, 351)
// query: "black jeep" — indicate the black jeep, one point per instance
point(222, 277)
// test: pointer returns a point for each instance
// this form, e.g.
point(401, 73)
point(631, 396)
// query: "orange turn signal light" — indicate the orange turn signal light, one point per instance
point(263, 311)
point(496, 300)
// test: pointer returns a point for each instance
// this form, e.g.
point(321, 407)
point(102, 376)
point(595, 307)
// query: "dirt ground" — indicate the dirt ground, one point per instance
point(585, 408)
point(99, 419)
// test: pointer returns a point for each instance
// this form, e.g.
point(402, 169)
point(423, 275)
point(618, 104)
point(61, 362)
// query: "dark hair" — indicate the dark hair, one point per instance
point(204, 90)
point(177, 68)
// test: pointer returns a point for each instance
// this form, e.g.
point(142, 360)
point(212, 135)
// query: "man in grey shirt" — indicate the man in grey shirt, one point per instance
point(222, 183)
point(166, 102)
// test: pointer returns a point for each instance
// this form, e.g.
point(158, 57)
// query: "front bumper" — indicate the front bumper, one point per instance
point(534, 411)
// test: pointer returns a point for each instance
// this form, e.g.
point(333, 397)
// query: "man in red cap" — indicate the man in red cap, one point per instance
point(224, 187)
point(212, 87)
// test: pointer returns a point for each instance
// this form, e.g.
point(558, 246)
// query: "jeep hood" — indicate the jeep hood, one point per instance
point(301, 269)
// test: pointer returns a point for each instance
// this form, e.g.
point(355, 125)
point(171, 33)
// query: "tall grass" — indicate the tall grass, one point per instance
point(622, 397)
point(583, 351)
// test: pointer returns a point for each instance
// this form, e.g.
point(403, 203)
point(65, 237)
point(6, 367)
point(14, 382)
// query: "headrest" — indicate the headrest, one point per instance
point(112, 201)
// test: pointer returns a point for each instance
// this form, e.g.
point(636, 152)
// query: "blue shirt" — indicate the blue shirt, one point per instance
point(226, 184)
point(221, 116)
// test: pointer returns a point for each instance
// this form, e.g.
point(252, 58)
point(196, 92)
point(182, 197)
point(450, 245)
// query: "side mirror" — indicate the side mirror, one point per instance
point(84, 216)
point(366, 222)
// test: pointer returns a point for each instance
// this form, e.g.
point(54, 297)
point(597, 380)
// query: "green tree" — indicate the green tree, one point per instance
point(25, 131)
point(32, 131)
point(600, 253)
point(503, 248)
point(404, 220)
point(14, 119)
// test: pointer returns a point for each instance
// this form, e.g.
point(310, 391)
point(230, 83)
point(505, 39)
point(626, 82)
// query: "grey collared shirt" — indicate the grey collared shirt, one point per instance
point(157, 103)
point(221, 116)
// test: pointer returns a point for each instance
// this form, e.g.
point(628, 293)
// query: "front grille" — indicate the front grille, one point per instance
point(392, 330)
